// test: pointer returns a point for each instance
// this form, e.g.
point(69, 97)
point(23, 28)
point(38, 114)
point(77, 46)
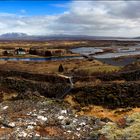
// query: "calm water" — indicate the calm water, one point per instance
point(117, 54)
point(86, 50)
point(41, 59)
point(109, 58)
point(105, 57)
point(120, 51)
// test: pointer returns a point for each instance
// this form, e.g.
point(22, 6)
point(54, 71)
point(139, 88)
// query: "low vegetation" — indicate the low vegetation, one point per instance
point(40, 103)
point(96, 70)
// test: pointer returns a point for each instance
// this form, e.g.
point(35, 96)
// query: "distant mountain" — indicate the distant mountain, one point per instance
point(137, 37)
point(13, 35)
point(23, 36)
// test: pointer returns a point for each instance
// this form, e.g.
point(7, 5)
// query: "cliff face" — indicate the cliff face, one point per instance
point(107, 94)
point(131, 75)
point(111, 95)
point(43, 88)
point(50, 85)
point(51, 78)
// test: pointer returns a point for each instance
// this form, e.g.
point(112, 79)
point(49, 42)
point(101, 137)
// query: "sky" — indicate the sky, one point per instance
point(71, 17)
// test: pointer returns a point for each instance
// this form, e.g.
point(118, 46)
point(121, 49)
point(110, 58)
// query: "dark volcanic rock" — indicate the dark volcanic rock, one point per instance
point(132, 75)
point(51, 78)
point(44, 88)
point(110, 95)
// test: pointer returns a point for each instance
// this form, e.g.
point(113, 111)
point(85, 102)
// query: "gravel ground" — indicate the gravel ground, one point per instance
point(55, 119)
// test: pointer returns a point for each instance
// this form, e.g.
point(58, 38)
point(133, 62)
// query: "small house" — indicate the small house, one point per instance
point(46, 52)
point(8, 51)
point(59, 52)
point(20, 51)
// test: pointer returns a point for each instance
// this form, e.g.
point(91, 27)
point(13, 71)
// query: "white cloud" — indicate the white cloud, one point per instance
point(108, 18)
point(30, 25)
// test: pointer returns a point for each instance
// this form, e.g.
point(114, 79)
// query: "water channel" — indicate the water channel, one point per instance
point(94, 52)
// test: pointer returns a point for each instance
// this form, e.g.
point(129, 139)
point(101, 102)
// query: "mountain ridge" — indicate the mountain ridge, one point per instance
point(24, 36)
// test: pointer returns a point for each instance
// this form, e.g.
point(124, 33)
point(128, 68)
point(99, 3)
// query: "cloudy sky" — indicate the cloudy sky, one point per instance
point(97, 18)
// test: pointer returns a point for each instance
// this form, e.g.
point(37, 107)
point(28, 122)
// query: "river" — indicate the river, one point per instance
point(109, 57)
point(42, 59)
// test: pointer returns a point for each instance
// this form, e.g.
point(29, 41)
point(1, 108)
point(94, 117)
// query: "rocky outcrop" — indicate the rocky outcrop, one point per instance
point(48, 85)
point(111, 95)
point(51, 78)
point(44, 88)
point(132, 75)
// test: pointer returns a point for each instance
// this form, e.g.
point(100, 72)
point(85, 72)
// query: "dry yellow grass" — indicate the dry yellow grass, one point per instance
point(103, 68)
point(52, 66)
point(99, 111)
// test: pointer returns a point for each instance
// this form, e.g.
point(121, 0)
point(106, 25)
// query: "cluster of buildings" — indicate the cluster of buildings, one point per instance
point(33, 51)
point(13, 51)
point(47, 52)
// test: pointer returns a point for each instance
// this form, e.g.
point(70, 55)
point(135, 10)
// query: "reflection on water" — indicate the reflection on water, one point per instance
point(41, 59)
point(126, 49)
point(116, 54)
point(86, 50)
point(110, 58)
point(120, 51)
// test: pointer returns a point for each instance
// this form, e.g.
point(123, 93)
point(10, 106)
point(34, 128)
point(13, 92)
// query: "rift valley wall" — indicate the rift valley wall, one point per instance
point(109, 95)
point(132, 75)
point(112, 95)
point(43, 88)
point(51, 78)
point(47, 85)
